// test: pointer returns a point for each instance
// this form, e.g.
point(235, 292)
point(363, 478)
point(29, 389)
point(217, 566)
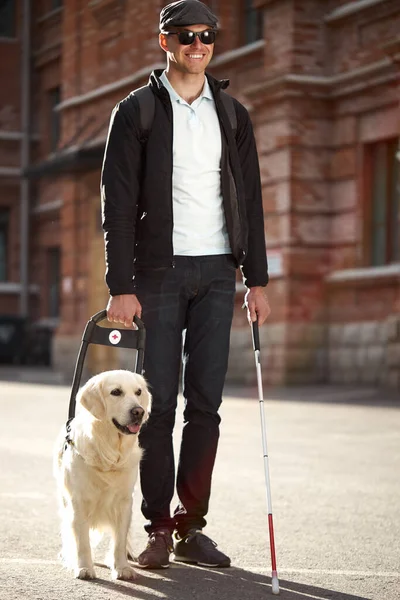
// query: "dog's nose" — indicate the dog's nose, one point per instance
point(137, 412)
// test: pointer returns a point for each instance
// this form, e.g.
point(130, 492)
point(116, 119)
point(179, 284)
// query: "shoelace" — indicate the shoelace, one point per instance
point(158, 541)
point(203, 540)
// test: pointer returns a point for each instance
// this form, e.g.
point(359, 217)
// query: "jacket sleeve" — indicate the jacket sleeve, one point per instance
point(255, 266)
point(120, 188)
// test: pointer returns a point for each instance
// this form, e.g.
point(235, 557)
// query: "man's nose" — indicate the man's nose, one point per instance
point(197, 43)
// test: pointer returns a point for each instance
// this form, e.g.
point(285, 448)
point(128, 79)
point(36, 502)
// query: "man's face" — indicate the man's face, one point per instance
point(192, 59)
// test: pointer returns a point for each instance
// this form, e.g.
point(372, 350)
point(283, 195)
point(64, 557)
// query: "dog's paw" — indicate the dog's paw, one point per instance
point(126, 573)
point(84, 573)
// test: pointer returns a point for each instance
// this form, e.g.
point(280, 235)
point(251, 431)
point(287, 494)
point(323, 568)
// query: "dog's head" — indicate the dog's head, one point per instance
point(119, 397)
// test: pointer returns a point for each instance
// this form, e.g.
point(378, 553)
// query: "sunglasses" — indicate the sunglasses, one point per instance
point(186, 38)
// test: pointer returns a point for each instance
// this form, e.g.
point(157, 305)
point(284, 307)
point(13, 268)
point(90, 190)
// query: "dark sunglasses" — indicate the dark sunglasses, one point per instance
point(186, 38)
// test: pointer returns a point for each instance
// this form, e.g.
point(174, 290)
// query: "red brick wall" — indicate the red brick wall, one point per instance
point(310, 129)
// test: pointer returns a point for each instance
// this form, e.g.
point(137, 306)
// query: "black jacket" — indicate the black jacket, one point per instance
point(136, 191)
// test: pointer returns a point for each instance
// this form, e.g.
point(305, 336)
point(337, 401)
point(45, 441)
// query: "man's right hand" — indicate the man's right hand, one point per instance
point(122, 309)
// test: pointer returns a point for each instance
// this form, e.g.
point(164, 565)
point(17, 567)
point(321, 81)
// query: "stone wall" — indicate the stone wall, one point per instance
point(367, 352)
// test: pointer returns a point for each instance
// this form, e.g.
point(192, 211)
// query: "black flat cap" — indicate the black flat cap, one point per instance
point(186, 12)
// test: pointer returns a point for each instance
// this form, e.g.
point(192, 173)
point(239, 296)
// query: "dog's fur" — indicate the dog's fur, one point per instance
point(96, 471)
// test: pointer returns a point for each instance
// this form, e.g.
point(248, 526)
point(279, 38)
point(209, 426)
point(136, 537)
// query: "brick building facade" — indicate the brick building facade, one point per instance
point(321, 82)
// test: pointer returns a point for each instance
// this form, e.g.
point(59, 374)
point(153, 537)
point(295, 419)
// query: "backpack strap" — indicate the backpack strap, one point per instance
point(145, 98)
point(229, 106)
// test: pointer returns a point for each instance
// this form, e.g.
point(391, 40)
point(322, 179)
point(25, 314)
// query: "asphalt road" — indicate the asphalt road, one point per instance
point(335, 475)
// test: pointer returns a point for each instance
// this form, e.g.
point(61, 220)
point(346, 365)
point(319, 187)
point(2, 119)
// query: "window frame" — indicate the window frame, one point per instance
point(248, 11)
point(53, 259)
point(5, 219)
point(12, 33)
point(54, 98)
point(392, 197)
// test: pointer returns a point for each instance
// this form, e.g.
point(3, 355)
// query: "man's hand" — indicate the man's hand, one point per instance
point(122, 309)
point(257, 304)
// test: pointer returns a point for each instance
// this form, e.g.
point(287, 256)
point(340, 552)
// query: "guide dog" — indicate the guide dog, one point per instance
point(96, 466)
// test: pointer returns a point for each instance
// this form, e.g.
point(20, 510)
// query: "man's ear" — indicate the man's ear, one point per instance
point(91, 398)
point(162, 40)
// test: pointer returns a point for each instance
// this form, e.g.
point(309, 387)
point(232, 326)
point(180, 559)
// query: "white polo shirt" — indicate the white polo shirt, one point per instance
point(199, 219)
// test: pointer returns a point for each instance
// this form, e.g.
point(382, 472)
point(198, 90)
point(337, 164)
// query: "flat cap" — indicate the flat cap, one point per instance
point(186, 12)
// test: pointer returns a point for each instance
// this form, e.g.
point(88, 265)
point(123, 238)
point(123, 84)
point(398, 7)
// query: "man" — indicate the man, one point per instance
point(181, 212)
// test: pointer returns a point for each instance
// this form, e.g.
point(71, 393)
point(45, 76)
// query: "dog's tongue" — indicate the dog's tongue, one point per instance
point(133, 428)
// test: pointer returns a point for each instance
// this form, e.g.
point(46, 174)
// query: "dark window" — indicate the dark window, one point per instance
point(385, 205)
point(4, 226)
point(253, 22)
point(55, 99)
point(56, 4)
point(54, 271)
point(7, 18)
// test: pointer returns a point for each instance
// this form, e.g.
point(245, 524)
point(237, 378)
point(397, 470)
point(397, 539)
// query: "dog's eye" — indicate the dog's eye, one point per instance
point(138, 392)
point(116, 392)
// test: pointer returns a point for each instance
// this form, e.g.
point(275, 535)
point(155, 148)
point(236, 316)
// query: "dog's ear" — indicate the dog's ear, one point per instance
point(91, 398)
point(145, 387)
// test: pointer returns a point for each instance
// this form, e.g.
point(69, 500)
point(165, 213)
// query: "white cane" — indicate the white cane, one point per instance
point(256, 346)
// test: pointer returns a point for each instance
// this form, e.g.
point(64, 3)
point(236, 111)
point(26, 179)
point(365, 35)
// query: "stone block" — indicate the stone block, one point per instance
point(385, 331)
point(64, 354)
point(344, 228)
point(375, 357)
point(361, 357)
point(393, 356)
point(393, 379)
point(369, 332)
point(347, 358)
point(350, 376)
point(335, 335)
point(351, 334)
point(334, 360)
point(300, 359)
point(392, 328)
point(273, 334)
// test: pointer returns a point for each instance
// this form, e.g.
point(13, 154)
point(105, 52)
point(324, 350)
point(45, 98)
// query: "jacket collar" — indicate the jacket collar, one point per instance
point(216, 85)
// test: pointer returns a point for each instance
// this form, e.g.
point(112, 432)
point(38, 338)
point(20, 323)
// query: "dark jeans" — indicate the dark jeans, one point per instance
point(197, 296)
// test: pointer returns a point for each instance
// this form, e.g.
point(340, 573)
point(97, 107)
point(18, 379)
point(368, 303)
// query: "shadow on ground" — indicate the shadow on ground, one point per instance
point(184, 582)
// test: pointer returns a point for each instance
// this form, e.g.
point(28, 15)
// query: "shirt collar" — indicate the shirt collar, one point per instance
point(206, 93)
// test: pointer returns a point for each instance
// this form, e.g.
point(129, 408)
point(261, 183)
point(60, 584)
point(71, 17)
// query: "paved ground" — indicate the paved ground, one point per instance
point(335, 473)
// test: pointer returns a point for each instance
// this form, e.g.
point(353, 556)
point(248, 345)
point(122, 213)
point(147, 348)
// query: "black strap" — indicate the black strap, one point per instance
point(229, 106)
point(145, 98)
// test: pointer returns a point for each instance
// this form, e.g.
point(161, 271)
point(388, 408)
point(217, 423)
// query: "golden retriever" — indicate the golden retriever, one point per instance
point(96, 467)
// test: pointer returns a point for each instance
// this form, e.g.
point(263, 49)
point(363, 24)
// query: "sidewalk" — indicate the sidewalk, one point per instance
point(31, 374)
point(305, 393)
point(334, 462)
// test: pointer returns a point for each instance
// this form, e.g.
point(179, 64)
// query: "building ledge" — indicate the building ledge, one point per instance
point(365, 276)
point(48, 207)
point(74, 159)
point(125, 82)
point(333, 86)
point(232, 55)
point(10, 172)
point(9, 287)
point(350, 8)
point(16, 136)
point(54, 15)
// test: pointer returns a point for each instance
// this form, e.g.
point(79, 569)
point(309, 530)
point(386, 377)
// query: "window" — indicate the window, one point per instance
point(4, 225)
point(54, 100)
point(253, 22)
point(384, 221)
point(56, 4)
point(7, 18)
point(54, 269)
